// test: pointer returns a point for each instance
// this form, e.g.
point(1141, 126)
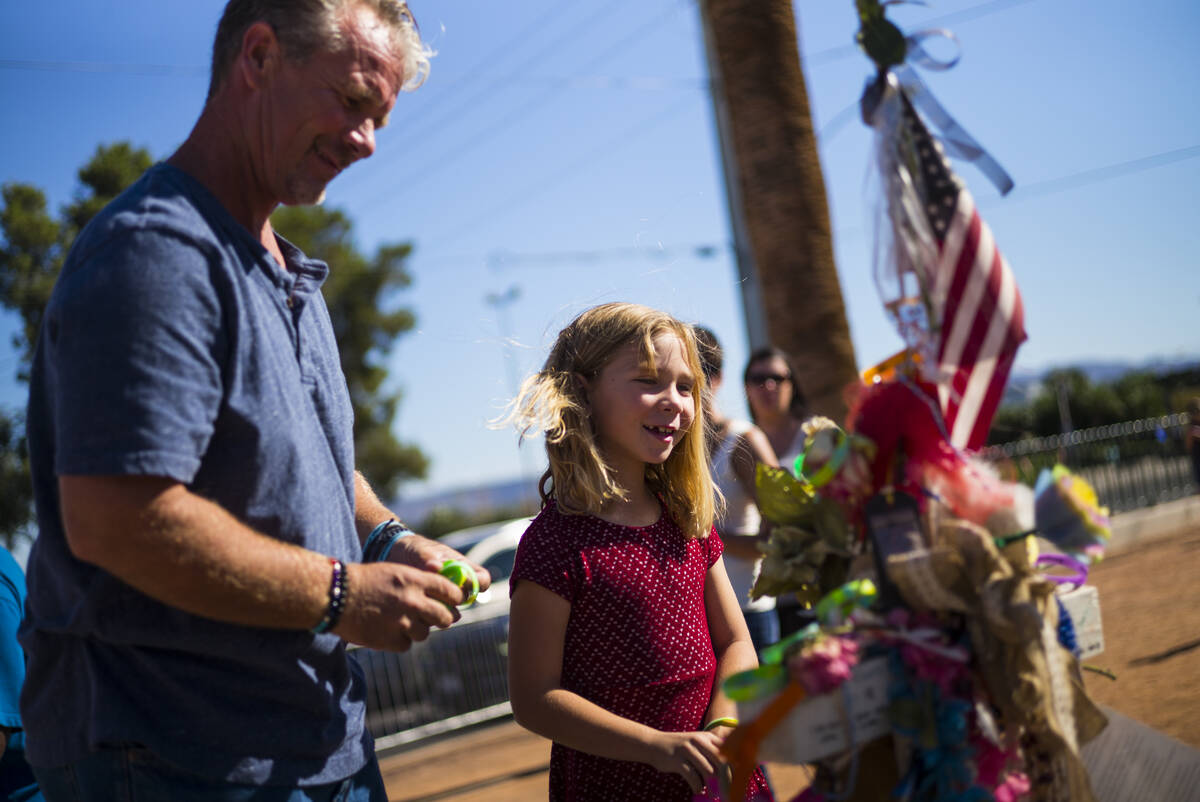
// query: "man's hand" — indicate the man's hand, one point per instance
point(429, 555)
point(389, 606)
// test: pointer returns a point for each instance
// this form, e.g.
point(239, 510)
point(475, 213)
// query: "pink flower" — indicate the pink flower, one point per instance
point(825, 665)
point(1015, 786)
point(990, 764)
point(935, 668)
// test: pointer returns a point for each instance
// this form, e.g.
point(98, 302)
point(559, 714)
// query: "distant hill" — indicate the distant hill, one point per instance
point(476, 498)
point(1099, 371)
point(1025, 383)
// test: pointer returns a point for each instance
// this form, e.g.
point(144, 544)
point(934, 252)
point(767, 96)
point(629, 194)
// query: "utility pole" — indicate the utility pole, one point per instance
point(750, 288)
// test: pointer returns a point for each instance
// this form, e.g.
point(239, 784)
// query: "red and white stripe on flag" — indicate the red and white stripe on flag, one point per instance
point(982, 325)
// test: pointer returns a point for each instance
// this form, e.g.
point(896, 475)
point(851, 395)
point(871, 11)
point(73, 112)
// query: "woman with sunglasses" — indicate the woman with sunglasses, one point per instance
point(735, 448)
point(778, 408)
point(777, 405)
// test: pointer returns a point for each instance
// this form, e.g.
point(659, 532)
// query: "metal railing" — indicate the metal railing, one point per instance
point(458, 677)
point(1131, 465)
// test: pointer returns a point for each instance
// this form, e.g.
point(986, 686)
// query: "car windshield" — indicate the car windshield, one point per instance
point(500, 564)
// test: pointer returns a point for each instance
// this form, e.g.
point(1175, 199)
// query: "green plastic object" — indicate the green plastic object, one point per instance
point(839, 603)
point(463, 575)
point(756, 683)
point(775, 653)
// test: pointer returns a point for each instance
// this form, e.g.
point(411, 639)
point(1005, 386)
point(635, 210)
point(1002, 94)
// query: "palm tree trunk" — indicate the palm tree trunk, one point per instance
point(759, 89)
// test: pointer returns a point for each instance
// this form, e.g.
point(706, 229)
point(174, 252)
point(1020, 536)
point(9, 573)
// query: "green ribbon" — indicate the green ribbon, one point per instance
point(827, 471)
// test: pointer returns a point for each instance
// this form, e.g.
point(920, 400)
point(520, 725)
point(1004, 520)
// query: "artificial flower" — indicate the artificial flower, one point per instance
point(824, 665)
point(1069, 514)
point(836, 463)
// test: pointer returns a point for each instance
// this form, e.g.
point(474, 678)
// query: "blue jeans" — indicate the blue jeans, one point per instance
point(133, 774)
point(763, 626)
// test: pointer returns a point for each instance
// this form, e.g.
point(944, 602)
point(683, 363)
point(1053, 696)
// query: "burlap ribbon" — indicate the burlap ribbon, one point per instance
point(1012, 619)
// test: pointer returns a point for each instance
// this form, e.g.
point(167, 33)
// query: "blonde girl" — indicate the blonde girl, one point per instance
point(623, 623)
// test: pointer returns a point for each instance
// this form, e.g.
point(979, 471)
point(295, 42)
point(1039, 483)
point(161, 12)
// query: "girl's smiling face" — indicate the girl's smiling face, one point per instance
point(641, 412)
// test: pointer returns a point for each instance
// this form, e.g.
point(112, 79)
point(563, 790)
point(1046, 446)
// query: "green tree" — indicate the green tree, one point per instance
point(1132, 396)
point(16, 493)
point(34, 244)
point(32, 251)
point(1012, 422)
point(357, 291)
point(1142, 395)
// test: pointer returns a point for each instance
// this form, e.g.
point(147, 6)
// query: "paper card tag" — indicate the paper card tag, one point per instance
point(893, 527)
point(1083, 605)
point(831, 723)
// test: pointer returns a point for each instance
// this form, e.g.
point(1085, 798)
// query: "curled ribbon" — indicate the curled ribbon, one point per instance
point(741, 746)
point(895, 73)
point(823, 475)
point(1078, 571)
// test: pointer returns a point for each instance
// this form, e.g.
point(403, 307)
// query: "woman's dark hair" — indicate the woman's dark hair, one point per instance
point(712, 358)
point(798, 409)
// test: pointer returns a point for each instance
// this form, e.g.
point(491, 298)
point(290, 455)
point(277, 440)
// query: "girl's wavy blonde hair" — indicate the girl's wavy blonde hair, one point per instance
point(552, 402)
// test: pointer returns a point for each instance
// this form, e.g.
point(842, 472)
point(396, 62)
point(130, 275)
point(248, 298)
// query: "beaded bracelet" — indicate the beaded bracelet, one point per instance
point(382, 538)
point(337, 598)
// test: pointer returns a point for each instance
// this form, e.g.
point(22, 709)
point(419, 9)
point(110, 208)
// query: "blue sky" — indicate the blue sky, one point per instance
point(567, 150)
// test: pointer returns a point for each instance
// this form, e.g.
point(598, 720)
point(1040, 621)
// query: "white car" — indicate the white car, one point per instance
point(494, 546)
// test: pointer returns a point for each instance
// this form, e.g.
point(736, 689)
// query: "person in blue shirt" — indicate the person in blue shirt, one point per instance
point(206, 549)
point(16, 777)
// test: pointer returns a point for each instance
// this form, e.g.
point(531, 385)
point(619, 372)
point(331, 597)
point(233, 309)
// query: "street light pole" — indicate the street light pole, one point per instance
point(501, 301)
point(750, 288)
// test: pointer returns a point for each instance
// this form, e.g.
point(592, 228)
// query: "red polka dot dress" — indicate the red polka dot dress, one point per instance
point(637, 640)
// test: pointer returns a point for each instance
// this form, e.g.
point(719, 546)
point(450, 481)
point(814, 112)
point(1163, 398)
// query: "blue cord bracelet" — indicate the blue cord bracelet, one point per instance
point(382, 538)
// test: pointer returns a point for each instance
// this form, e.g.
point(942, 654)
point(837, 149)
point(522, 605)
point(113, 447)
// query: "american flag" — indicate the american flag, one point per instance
point(974, 296)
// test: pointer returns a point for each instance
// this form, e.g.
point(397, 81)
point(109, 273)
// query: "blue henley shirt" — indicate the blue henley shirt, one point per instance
point(175, 346)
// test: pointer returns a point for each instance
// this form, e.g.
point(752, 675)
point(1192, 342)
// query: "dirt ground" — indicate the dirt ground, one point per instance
point(1150, 607)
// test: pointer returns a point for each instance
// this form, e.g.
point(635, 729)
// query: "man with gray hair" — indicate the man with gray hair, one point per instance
point(206, 548)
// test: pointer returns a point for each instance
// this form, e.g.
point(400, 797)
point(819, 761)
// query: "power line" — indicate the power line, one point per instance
point(1097, 175)
point(470, 100)
point(607, 148)
point(634, 83)
point(485, 65)
point(840, 52)
point(451, 154)
point(513, 79)
point(101, 67)
point(705, 250)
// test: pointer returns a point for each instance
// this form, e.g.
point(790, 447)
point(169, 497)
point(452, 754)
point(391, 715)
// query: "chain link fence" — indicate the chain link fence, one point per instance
point(1131, 465)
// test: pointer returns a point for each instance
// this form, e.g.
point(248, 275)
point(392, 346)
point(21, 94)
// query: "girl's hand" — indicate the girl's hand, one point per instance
point(692, 755)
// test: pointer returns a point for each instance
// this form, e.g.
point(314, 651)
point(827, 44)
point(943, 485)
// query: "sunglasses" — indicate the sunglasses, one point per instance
point(761, 379)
